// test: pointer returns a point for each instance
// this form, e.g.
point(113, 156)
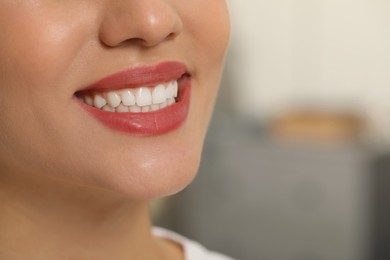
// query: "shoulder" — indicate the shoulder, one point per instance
point(193, 250)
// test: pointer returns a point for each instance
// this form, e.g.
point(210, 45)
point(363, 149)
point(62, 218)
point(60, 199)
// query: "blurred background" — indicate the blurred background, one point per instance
point(296, 163)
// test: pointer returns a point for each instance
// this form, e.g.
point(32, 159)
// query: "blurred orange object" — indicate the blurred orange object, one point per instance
point(317, 126)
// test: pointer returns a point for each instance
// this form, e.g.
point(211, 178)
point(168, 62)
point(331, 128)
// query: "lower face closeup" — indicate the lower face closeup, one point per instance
point(109, 94)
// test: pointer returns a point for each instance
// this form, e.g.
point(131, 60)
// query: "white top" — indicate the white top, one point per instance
point(192, 249)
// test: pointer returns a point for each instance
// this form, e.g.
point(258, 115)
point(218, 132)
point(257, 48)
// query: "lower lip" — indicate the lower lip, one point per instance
point(148, 123)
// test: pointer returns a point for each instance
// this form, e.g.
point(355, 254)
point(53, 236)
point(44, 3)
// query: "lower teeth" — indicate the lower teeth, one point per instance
point(137, 109)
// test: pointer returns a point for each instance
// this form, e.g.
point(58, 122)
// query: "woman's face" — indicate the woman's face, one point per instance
point(53, 54)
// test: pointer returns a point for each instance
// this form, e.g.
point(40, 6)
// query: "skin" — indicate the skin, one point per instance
point(71, 188)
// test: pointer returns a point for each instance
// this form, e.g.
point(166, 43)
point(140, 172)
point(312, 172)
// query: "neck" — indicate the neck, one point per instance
point(38, 221)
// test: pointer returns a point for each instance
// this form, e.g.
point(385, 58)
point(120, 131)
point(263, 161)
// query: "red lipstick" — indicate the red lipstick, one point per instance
point(147, 123)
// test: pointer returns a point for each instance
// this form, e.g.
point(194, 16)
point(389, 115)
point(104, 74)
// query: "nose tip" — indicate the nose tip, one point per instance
point(146, 23)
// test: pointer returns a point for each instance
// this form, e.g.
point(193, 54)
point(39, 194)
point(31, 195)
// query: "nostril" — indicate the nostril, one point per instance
point(171, 36)
point(140, 41)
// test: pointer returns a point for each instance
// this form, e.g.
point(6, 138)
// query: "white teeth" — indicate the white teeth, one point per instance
point(145, 109)
point(159, 94)
point(143, 97)
point(99, 101)
point(128, 98)
point(113, 99)
point(171, 101)
point(108, 108)
point(154, 107)
point(175, 88)
point(170, 91)
point(135, 109)
point(122, 108)
point(163, 105)
point(88, 100)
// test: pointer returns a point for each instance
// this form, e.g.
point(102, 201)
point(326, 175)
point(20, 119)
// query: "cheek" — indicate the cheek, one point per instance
point(210, 29)
point(208, 21)
point(36, 49)
point(38, 45)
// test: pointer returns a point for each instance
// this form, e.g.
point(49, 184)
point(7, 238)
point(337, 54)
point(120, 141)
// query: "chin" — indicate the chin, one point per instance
point(151, 181)
point(154, 167)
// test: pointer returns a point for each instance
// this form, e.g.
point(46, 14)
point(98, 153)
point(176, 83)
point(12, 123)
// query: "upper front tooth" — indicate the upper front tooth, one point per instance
point(99, 101)
point(170, 91)
point(128, 98)
point(143, 97)
point(175, 88)
point(113, 99)
point(159, 94)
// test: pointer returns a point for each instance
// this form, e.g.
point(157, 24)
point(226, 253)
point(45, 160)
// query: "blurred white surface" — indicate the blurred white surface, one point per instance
point(329, 53)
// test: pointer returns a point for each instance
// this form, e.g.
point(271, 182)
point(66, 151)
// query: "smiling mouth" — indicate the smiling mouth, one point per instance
point(137, 100)
point(142, 101)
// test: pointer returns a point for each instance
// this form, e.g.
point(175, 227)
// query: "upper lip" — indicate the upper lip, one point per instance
point(142, 75)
